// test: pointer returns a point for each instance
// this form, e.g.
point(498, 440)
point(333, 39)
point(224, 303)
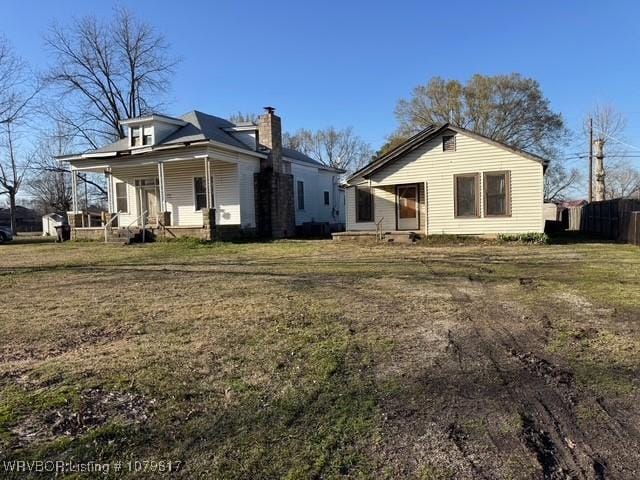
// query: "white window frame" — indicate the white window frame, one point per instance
point(126, 194)
point(193, 189)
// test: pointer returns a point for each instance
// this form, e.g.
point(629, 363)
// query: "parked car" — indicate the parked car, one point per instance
point(5, 234)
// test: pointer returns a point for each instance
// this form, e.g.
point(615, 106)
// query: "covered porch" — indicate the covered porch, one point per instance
point(392, 209)
point(189, 195)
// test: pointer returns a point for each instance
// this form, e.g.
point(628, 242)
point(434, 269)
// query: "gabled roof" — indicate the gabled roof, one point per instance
point(428, 134)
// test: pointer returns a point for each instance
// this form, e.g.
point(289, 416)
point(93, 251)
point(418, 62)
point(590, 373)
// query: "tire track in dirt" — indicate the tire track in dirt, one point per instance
point(550, 427)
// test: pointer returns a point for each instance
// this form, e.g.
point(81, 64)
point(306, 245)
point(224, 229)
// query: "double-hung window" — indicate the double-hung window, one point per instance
point(121, 197)
point(364, 204)
point(466, 195)
point(200, 192)
point(496, 194)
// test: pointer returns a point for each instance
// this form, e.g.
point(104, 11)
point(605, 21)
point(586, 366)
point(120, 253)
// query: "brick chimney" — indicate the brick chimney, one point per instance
point(270, 137)
point(275, 213)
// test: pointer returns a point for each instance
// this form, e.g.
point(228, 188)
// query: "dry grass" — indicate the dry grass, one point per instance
point(317, 359)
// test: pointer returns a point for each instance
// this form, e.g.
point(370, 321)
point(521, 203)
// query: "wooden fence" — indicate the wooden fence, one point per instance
point(617, 219)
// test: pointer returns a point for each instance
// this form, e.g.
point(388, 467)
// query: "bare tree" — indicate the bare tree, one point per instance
point(341, 149)
point(106, 72)
point(507, 108)
point(623, 179)
point(50, 182)
point(559, 182)
point(240, 117)
point(17, 91)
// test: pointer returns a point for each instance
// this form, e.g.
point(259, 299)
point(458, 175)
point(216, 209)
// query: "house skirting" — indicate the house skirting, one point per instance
point(217, 233)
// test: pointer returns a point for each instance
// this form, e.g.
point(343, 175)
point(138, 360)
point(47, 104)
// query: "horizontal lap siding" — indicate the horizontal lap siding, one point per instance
point(383, 208)
point(179, 180)
point(128, 175)
point(316, 182)
point(180, 193)
point(429, 163)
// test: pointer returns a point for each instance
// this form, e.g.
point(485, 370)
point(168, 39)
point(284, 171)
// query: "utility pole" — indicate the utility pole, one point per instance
point(590, 160)
point(599, 148)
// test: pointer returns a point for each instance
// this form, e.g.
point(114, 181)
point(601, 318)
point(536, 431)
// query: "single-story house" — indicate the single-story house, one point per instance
point(448, 180)
point(201, 175)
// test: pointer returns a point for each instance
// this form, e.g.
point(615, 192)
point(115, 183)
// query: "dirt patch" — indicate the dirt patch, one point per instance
point(560, 378)
point(94, 409)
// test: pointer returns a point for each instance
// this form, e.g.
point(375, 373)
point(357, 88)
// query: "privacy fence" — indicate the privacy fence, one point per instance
point(617, 219)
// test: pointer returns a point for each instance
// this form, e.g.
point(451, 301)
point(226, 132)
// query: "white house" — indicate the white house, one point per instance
point(201, 175)
point(448, 180)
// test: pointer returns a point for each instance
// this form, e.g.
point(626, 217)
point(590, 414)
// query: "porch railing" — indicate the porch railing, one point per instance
point(106, 226)
point(142, 217)
point(379, 234)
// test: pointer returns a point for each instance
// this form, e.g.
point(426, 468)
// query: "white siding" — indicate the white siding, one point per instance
point(316, 182)
point(429, 163)
point(233, 190)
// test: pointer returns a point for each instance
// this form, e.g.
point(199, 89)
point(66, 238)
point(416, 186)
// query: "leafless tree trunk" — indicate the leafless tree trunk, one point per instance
point(16, 96)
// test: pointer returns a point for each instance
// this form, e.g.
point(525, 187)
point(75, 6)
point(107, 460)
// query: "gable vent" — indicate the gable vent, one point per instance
point(448, 143)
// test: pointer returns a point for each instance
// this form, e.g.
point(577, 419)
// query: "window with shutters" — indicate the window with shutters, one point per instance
point(448, 143)
point(465, 193)
point(496, 194)
point(364, 204)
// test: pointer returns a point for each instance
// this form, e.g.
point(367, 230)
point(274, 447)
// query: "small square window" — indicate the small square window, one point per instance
point(448, 143)
point(326, 198)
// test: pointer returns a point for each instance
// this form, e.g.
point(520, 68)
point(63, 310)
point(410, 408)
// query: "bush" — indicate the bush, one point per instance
point(531, 238)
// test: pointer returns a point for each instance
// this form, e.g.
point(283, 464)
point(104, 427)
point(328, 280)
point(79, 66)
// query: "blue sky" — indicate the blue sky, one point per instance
point(347, 63)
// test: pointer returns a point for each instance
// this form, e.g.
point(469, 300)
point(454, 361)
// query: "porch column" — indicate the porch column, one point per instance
point(426, 217)
point(163, 201)
point(164, 217)
point(207, 180)
point(74, 190)
point(107, 179)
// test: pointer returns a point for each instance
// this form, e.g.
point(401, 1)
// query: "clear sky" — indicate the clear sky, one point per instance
point(347, 63)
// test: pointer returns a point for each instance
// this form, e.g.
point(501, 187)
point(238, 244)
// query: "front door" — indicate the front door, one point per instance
point(407, 207)
point(151, 204)
point(148, 191)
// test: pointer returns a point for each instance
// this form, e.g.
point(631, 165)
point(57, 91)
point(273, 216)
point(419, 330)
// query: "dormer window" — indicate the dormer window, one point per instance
point(141, 136)
point(136, 137)
point(147, 136)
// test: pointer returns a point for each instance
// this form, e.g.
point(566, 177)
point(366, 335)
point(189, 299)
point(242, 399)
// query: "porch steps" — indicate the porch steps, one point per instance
point(121, 236)
point(404, 237)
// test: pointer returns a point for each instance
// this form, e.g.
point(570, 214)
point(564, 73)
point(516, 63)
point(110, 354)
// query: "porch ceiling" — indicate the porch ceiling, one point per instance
point(101, 166)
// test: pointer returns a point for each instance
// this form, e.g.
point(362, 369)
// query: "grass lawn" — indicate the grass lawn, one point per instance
point(320, 359)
